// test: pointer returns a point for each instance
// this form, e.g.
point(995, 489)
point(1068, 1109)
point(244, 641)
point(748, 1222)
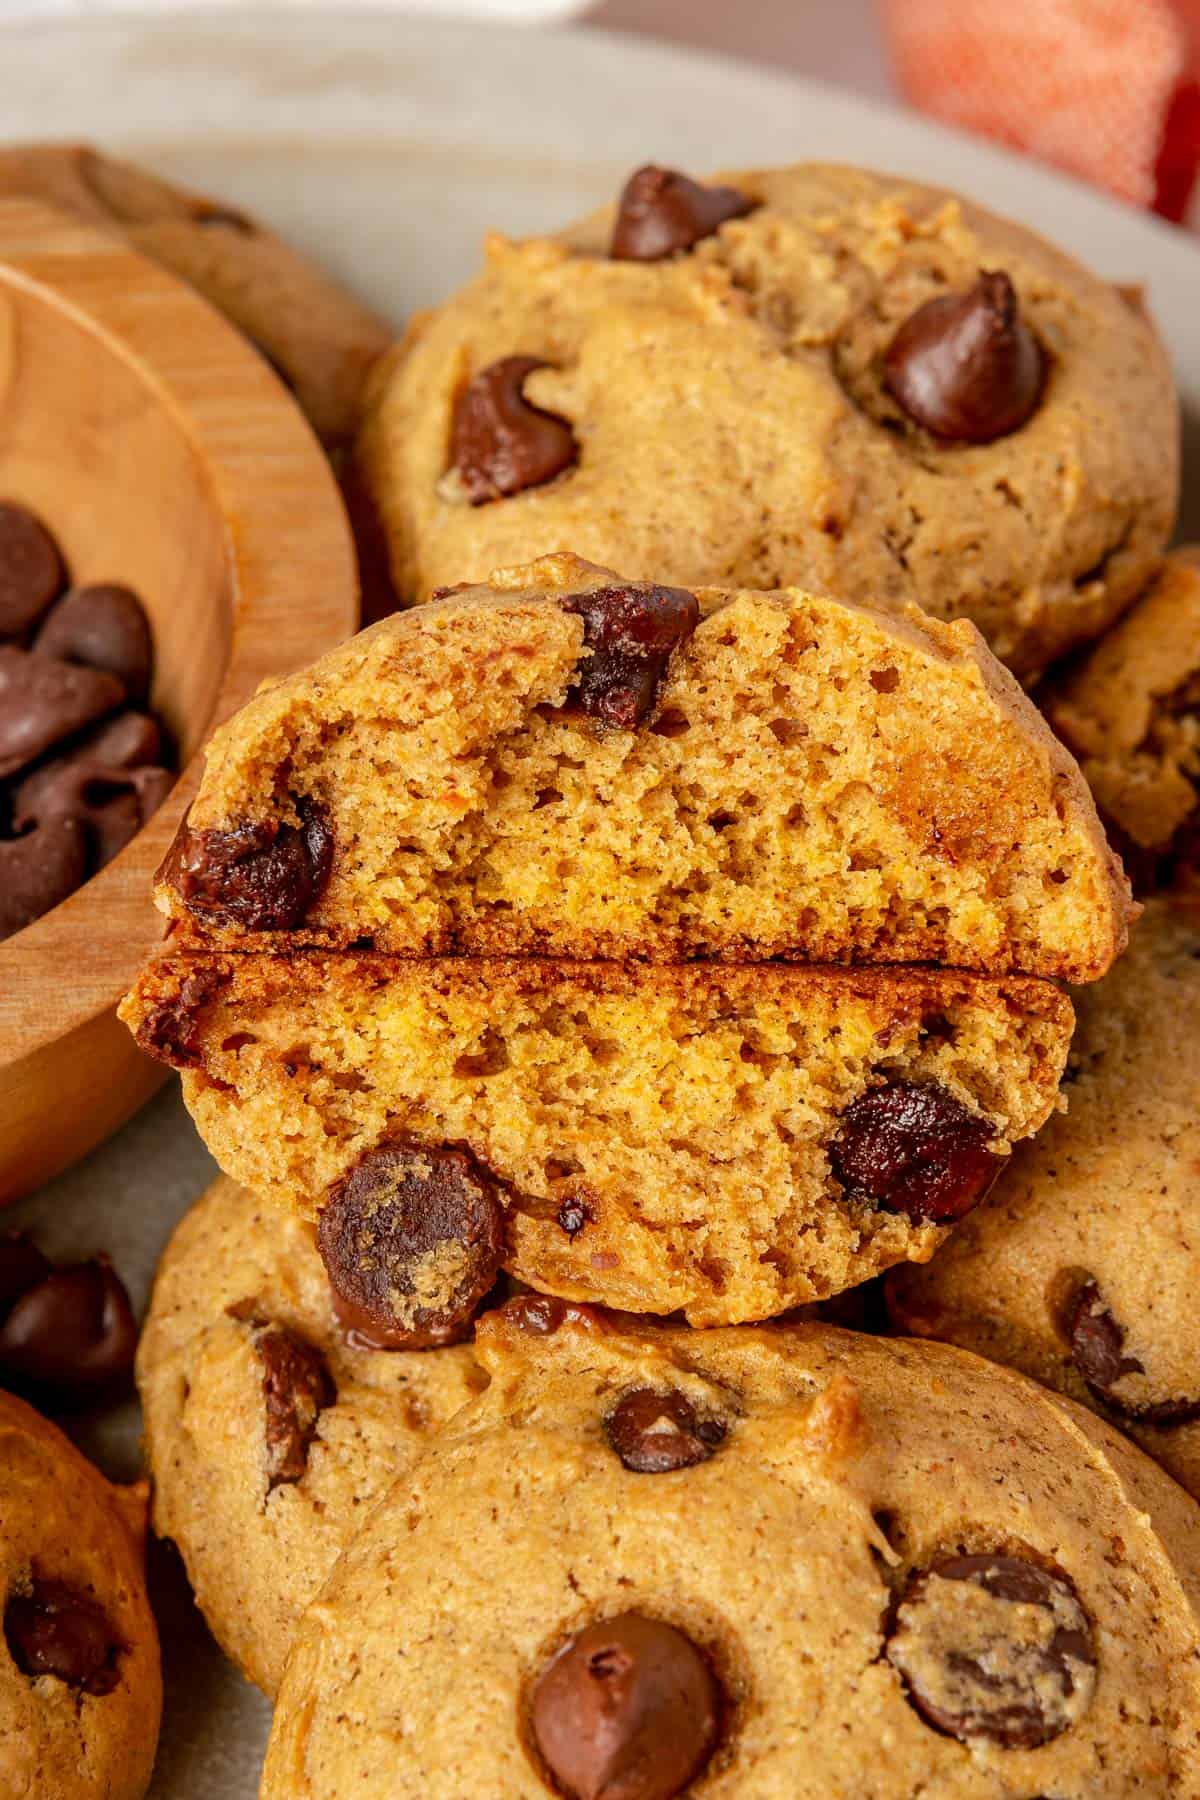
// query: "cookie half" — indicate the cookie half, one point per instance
point(1082, 1266)
point(564, 763)
point(728, 1141)
point(754, 1563)
point(80, 1681)
point(269, 1433)
point(814, 376)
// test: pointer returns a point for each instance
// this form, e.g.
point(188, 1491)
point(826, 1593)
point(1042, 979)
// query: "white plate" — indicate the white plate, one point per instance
point(387, 145)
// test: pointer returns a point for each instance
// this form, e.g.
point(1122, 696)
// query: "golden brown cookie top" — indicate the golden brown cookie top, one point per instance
point(80, 1687)
point(773, 396)
point(561, 761)
point(831, 1543)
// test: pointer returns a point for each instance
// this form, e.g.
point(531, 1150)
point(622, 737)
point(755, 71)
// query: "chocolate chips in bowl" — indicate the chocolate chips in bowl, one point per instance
point(83, 762)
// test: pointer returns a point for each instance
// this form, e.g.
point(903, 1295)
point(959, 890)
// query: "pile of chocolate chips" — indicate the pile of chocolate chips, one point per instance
point(83, 764)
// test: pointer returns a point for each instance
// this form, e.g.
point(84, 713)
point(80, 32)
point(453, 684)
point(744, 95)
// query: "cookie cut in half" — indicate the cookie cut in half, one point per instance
point(811, 376)
point(563, 763)
point(730, 1141)
point(737, 1564)
point(1082, 1267)
point(270, 1430)
point(80, 1677)
point(1130, 711)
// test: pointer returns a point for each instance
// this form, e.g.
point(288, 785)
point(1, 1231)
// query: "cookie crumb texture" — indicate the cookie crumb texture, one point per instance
point(733, 423)
point(268, 1435)
point(977, 1590)
point(1080, 1267)
point(689, 1112)
point(80, 1685)
point(807, 779)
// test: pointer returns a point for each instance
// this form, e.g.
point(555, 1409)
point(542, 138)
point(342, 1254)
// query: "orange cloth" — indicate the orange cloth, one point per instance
point(1109, 89)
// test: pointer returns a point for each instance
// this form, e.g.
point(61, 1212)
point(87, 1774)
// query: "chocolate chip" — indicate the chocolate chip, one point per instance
point(1098, 1351)
point(916, 1150)
point(43, 701)
point(71, 1334)
point(653, 1432)
point(631, 633)
point(55, 1629)
point(173, 1031)
point(297, 1387)
point(996, 1647)
point(22, 1266)
point(966, 366)
point(102, 627)
point(629, 1709)
point(99, 783)
point(662, 212)
point(541, 1315)
point(262, 877)
point(412, 1240)
point(31, 570)
point(499, 443)
point(38, 870)
point(572, 1216)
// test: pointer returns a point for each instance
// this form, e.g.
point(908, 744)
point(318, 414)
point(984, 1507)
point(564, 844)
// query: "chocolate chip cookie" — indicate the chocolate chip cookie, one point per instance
point(764, 1563)
point(729, 1141)
point(271, 1428)
point(1082, 1267)
point(1130, 711)
point(811, 376)
point(565, 762)
point(80, 1687)
point(317, 335)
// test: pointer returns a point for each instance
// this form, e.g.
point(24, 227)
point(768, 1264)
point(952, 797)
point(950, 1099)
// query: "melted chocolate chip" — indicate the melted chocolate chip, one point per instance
point(172, 1031)
point(1098, 1352)
point(572, 1216)
point(297, 1387)
point(966, 366)
point(55, 1629)
point(31, 570)
point(71, 1334)
point(412, 1240)
point(38, 870)
point(262, 877)
point(653, 1432)
point(102, 627)
point(915, 1150)
point(631, 633)
point(541, 1315)
point(43, 701)
point(662, 212)
point(994, 1647)
point(628, 1710)
point(499, 443)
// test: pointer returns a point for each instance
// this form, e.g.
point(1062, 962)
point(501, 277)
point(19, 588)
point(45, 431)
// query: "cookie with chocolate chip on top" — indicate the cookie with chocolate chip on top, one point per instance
point(272, 1422)
point(793, 1580)
point(80, 1681)
point(812, 376)
point(1082, 1265)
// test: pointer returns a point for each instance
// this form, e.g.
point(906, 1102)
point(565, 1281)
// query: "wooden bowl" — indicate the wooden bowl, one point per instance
point(161, 451)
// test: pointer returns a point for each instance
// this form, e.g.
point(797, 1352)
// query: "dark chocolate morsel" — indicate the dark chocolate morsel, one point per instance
point(70, 1334)
point(1009, 1657)
point(914, 1149)
point(31, 570)
point(629, 1709)
point(22, 1266)
point(172, 1031)
point(662, 212)
point(412, 1240)
point(655, 1432)
point(297, 1387)
point(43, 701)
point(106, 783)
point(102, 627)
point(55, 1629)
point(572, 1216)
point(1097, 1343)
point(262, 877)
point(541, 1315)
point(499, 443)
point(966, 366)
point(38, 870)
point(631, 633)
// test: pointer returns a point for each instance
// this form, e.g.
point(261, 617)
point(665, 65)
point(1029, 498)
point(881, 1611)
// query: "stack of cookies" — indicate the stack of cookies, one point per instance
point(576, 959)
